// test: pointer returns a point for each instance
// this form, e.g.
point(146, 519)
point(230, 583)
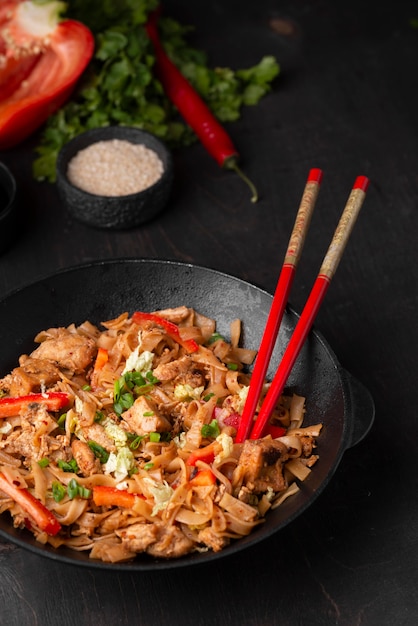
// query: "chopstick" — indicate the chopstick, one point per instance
point(284, 283)
point(313, 303)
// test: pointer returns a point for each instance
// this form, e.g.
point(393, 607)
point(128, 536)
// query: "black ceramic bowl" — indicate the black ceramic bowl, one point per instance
point(8, 220)
point(114, 212)
point(102, 290)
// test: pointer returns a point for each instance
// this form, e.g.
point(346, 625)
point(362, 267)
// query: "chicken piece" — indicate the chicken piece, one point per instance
point(87, 463)
point(68, 351)
point(143, 418)
point(97, 433)
point(194, 377)
point(156, 539)
point(109, 551)
point(260, 466)
point(169, 371)
point(5, 383)
point(33, 375)
point(212, 539)
point(308, 445)
point(138, 537)
point(183, 371)
point(32, 441)
point(176, 315)
point(171, 543)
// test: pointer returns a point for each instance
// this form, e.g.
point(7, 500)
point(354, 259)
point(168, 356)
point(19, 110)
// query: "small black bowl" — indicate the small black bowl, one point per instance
point(8, 219)
point(114, 212)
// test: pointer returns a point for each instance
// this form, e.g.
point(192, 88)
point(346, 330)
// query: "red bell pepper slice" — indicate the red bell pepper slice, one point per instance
point(37, 72)
point(102, 358)
point(171, 329)
point(274, 431)
point(54, 401)
point(206, 454)
point(38, 512)
point(203, 478)
point(110, 496)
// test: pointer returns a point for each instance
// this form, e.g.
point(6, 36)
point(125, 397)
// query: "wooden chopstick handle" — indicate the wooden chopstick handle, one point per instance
point(344, 228)
point(303, 218)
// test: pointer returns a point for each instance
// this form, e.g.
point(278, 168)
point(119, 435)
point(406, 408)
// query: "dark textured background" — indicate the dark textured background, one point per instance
point(346, 101)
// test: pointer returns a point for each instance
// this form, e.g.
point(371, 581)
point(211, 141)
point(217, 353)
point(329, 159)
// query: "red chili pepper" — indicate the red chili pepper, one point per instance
point(110, 496)
point(171, 329)
point(38, 512)
point(193, 109)
point(37, 72)
point(54, 401)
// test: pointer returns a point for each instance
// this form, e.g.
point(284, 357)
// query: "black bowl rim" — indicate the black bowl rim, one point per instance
point(30, 544)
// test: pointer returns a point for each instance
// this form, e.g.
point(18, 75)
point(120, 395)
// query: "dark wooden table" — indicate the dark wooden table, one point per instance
point(346, 101)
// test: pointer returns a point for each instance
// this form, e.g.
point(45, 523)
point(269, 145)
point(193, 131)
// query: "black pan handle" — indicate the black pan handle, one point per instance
point(362, 409)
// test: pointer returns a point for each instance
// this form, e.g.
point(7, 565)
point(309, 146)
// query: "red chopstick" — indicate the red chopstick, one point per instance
point(292, 256)
point(320, 287)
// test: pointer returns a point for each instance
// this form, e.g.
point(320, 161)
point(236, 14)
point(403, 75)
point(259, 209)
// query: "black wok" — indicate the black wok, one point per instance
point(101, 290)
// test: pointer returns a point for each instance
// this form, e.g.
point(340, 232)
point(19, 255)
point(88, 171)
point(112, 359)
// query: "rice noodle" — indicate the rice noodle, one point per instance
point(133, 434)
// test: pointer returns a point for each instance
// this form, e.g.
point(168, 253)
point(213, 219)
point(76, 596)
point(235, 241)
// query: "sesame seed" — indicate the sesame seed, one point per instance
point(115, 168)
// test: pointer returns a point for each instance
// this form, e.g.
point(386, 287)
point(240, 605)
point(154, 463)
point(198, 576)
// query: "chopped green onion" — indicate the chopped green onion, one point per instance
point(86, 388)
point(75, 490)
point(154, 437)
point(43, 462)
point(208, 397)
point(151, 378)
point(215, 337)
point(148, 413)
point(134, 441)
point(58, 491)
point(71, 466)
point(99, 451)
point(99, 416)
point(148, 466)
point(72, 488)
point(129, 384)
point(61, 420)
point(232, 366)
point(211, 430)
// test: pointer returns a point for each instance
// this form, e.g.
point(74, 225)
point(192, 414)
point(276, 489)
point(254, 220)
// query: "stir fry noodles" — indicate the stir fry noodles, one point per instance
point(119, 439)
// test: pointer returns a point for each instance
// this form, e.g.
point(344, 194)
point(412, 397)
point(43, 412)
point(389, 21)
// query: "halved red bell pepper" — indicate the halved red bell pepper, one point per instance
point(110, 496)
point(37, 511)
point(54, 401)
point(170, 328)
point(41, 59)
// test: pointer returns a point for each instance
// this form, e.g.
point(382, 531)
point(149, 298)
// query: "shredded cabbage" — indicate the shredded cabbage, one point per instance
point(227, 444)
point(161, 492)
point(187, 392)
point(120, 464)
point(139, 362)
point(117, 433)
